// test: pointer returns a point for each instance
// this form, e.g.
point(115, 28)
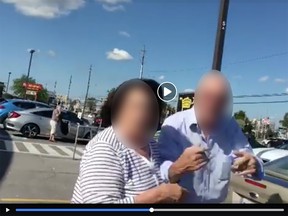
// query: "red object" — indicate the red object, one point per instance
point(2, 107)
point(257, 184)
point(14, 115)
point(32, 86)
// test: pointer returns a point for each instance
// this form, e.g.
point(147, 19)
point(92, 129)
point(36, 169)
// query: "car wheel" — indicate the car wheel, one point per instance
point(30, 130)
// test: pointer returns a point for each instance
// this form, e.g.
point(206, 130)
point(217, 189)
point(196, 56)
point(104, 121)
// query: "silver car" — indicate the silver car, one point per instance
point(35, 122)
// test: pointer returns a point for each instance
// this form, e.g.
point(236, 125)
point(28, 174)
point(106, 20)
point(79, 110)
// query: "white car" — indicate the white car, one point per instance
point(270, 154)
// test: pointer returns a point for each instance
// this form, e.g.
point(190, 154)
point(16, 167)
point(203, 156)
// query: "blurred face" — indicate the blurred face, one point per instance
point(211, 100)
point(139, 111)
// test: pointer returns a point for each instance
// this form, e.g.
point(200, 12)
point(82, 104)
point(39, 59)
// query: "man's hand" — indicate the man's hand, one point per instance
point(192, 159)
point(245, 163)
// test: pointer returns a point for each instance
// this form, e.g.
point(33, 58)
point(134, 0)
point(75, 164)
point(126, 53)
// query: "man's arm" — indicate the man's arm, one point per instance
point(241, 144)
point(176, 157)
point(169, 149)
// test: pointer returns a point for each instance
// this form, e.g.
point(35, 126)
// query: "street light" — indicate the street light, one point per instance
point(32, 51)
point(7, 87)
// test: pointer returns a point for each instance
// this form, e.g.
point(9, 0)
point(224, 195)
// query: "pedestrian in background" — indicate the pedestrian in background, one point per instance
point(54, 122)
point(121, 164)
point(200, 146)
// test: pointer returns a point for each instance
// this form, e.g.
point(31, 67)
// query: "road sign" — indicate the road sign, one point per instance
point(30, 92)
point(169, 91)
point(32, 86)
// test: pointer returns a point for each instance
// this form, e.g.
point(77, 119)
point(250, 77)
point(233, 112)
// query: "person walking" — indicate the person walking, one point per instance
point(200, 146)
point(54, 122)
point(121, 163)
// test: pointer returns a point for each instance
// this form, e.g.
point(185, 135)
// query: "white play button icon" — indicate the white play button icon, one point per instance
point(7, 209)
point(167, 91)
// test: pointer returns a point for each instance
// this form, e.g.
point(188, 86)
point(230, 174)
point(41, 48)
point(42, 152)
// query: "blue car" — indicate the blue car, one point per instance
point(11, 105)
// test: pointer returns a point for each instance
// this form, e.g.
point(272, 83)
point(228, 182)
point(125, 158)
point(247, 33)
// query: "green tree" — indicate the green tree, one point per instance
point(284, 121)
point(240, 115)
point(19, 90)
point(243, 121)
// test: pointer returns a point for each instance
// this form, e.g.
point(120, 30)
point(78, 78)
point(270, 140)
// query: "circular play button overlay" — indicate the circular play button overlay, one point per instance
point(169, 91)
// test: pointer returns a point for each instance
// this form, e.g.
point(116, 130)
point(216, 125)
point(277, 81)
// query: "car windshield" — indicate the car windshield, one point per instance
point(2, 101)
point(283, 146)
point(277, 167)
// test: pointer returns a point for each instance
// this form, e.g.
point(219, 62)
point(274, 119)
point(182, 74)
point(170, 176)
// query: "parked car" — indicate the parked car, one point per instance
point(270, 154)
point(272, 189)
point(35, 122)
point(11, 105)
point(273, 142)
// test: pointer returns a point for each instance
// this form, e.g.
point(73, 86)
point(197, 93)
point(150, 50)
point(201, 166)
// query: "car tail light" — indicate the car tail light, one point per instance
point(257, 184)
point(14, 115)
point(2, 107)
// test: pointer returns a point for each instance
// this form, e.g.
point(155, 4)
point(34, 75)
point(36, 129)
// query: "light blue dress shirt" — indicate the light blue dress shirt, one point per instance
point(210, 183)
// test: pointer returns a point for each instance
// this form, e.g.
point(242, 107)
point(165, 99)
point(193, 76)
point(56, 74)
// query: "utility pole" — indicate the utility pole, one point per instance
point(32, 51)
point(69, 87)
point(220, 36)
point(55, 85)
point(87, 91)
point(142, 62)
point(8, 81)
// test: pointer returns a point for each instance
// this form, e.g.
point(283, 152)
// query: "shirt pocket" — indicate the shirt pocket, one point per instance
point(225, 170)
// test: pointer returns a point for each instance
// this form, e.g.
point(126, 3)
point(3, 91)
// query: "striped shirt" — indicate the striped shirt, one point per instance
point(110, 172)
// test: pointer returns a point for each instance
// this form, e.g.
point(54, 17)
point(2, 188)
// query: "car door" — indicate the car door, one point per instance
point(43, 121)
point(272, 189)
point(73, 122)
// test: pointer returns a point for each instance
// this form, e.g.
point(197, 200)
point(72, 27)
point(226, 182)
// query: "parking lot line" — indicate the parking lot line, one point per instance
point(24, 200)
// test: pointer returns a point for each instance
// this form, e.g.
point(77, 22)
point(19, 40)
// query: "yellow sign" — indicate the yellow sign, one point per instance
point(187, 103)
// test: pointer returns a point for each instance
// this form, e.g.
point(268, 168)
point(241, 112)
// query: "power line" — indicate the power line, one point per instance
point(262, 102)
point(261, 95)
point(225, 65)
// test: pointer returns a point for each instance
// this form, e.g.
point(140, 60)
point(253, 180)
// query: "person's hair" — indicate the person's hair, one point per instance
point(111, 106)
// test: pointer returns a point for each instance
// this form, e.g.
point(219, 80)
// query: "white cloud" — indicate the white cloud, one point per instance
point(118, 55)
point(162, 77)
point(263, 79)
point(280, 80)
point(189, 90)
point(47, 9)
point(51, 53)
point(113, 5)
point(287, 90)
point(124, 33)
point(113, 8)
point(113, 2)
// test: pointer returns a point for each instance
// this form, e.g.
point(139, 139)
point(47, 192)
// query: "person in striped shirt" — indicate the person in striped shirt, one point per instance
point(121, 164)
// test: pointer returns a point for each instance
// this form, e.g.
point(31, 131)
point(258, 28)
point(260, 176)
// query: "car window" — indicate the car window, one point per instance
point(46, 114)
point(279, 166)
point(71, 117)
point(39, 105)
point(25, 105)
point(2, 101)
point(284, 146)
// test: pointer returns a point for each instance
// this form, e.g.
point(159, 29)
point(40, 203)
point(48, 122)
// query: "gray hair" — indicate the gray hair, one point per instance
point(215, 74)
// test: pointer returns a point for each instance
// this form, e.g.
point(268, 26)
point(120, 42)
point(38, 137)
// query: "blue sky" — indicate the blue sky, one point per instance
point(179, 36)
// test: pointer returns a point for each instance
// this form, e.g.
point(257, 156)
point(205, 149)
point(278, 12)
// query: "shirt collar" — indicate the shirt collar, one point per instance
point(192, 123)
